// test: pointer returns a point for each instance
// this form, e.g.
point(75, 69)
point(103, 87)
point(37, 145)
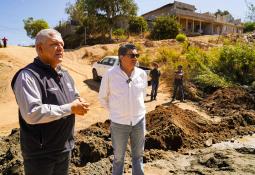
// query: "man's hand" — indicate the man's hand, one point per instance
point(79, 106)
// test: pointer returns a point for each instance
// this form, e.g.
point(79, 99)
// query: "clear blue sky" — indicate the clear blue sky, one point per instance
point(13, 12)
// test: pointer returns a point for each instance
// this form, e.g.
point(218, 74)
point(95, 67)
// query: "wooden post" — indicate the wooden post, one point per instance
point(212, 29)
point(200, 26)
point(187, 26)
point(193, 26)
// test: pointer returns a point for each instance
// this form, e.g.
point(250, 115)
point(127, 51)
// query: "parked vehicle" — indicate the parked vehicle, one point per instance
point(99, 68)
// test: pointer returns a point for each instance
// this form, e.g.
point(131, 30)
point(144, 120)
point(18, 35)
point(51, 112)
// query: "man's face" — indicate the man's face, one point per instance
point(130, 59)
point(52, 50)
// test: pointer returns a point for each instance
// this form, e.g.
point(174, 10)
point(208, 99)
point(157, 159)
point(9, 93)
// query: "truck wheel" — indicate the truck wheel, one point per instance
point(95, 75)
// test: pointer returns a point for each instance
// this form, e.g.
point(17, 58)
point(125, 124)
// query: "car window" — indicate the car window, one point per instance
point(111, 61)
point(105, 61)
point(108, 61)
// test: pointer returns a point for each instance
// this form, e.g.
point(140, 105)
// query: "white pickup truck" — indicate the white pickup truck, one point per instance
point(99, 68)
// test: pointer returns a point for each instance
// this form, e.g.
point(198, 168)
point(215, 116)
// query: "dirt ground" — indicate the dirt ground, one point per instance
point(181, 138)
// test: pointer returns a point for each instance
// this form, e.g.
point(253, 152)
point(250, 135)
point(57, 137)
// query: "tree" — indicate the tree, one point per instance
point(165, 27)
point(137, 25)
point(77, 11)
point(249, 26)
point(222, 13)
point(101, 13)
point(251, 11)
point(32, 26)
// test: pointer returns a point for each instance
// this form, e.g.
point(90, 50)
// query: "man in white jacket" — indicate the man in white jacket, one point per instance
point(122, 92)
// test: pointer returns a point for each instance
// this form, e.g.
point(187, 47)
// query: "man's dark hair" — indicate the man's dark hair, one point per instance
point(124, 48)
point(179, 67)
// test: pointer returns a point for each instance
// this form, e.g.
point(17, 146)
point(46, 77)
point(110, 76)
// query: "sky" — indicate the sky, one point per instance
point(13, 12)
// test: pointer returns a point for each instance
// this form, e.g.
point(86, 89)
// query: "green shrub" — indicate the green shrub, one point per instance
point(236, 63)
point(209, 81)
point(167, 55)
point(249, 26)
point(145, 60)
point(165, 27)
point(196, 59)
point(139, 47)
point(119, 33)
point(137, 25)
point(181, 37)
point(201, 70)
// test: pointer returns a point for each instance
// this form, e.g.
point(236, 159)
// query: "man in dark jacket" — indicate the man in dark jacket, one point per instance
point(48, 102)
point(178, 84)
point(5, 41)
point(154, 74)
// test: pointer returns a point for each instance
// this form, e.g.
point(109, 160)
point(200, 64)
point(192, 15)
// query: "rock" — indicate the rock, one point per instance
point(209, 142)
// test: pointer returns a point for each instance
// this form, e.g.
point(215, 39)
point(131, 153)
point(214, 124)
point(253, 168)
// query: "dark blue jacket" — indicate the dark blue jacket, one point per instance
point(155, 74)
point(55, 137)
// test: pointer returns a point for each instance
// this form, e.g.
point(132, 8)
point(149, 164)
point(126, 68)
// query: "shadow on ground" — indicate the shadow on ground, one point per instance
point(92, 84)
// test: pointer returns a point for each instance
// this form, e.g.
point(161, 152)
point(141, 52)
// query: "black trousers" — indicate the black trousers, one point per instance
point(154, 89)
point(178, 87)
point(50, 165)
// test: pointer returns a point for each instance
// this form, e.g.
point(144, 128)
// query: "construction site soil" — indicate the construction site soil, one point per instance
point(170, 130)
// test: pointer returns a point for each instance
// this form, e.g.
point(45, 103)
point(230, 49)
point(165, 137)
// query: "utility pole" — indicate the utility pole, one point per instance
point(85, 35)
point(85, 27)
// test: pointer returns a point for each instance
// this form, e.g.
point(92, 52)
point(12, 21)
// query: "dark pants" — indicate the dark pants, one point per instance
point(5, 44)
point(52, 165)
point(178, 87)
point(154, 89)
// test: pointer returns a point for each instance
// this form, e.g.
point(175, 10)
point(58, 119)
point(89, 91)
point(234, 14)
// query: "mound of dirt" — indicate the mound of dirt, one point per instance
point(230, 102)
point(11, 161)
point(169, 128)
point(173, 128)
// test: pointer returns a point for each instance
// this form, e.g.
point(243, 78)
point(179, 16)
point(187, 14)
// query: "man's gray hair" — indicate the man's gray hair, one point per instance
point(44, 34)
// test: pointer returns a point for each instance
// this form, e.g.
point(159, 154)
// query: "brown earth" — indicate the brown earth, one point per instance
point(180, 137)
point(230, 102)
point(168, 128)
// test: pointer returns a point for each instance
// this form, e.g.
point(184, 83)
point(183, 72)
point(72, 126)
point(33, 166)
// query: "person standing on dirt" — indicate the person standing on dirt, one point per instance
point(122, 92)
point(178, 84)
point(154, 74)
point(5, 41)
point(48, 102)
